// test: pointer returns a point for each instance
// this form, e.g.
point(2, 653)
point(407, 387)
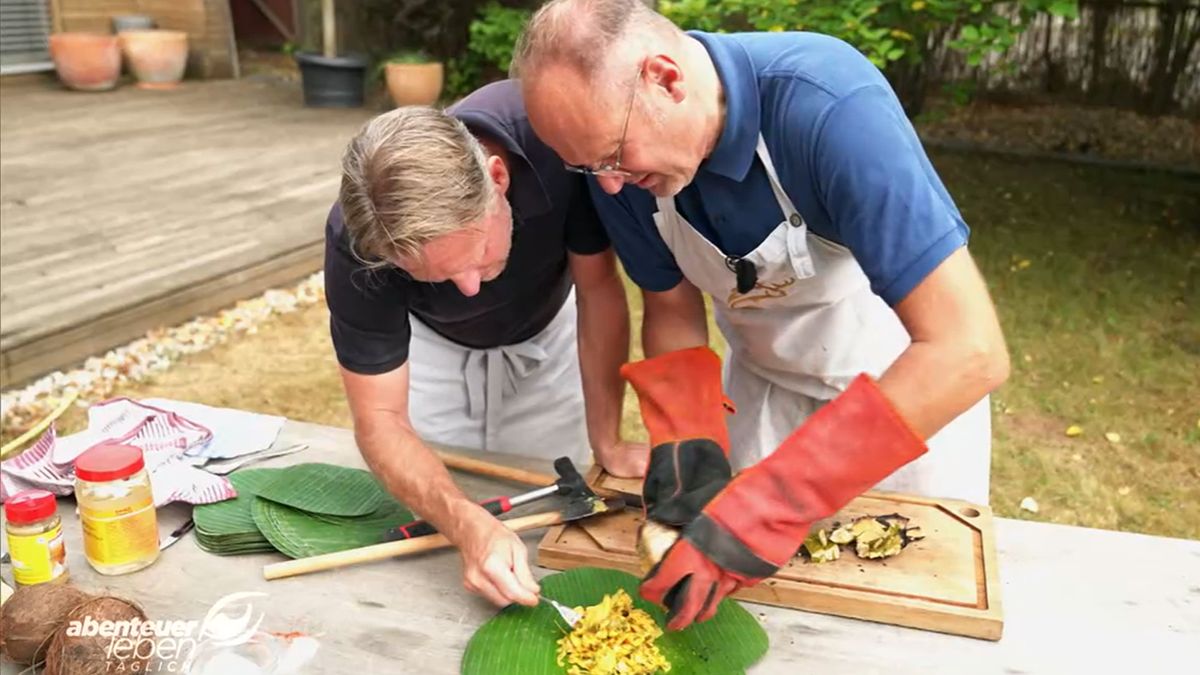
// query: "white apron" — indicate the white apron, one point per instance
point(801, 335)
point(524, 399)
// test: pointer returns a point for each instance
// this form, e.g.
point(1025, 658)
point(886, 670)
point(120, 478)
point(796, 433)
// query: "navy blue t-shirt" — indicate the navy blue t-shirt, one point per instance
point(845, 153)
point(552, 213)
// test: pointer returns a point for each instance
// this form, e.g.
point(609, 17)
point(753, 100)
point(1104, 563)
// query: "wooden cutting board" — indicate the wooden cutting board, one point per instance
point(947, 582)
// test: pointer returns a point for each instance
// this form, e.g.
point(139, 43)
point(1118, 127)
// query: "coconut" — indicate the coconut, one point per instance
point(90, 655)
point(653, 541)
point(31, 617)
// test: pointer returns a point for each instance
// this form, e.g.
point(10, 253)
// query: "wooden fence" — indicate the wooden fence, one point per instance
point(1133, 54)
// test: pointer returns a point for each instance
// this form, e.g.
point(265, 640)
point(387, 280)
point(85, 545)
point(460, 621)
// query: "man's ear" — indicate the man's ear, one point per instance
point(666, 74)
point(498, 172)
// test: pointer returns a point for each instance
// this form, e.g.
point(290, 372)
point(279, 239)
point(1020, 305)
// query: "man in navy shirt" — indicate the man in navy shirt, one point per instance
point(449, 265)
point(777, 173)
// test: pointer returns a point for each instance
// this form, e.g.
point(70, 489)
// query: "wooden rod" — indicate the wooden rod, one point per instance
point(483, 468)
point(329, 23)
point(392, 549)
point(36, 430)
point(534, 478)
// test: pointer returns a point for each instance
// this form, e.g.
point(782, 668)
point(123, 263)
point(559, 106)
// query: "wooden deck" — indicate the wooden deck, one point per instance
point(126, 210)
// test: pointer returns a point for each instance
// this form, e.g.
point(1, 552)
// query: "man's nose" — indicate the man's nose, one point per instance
point(467, 282)
point(610, 184)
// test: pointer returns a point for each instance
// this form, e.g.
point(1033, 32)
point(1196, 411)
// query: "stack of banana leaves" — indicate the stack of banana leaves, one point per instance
point(300, 511)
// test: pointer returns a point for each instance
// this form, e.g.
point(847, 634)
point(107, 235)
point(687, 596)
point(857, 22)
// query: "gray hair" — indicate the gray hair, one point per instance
point(410, 176)
point(588, 36)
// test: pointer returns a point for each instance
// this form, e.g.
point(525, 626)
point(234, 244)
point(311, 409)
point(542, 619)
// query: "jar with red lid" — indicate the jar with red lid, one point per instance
point(35, 540)
point(116, 509)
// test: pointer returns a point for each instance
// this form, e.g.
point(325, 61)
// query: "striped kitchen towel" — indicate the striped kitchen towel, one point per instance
point(164, 437)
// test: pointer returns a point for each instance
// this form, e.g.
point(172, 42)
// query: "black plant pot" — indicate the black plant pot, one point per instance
point(336, 82)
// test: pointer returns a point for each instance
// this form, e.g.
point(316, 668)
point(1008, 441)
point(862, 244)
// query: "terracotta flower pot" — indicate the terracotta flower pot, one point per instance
point(86, 61)
point(156, 57)
point(414, 83)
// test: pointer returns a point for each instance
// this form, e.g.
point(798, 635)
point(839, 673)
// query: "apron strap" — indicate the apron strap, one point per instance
point(491, 374)
point(785, 203)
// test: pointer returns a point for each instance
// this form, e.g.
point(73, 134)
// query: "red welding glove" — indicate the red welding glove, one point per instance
point(757, 523)
point(683, 407)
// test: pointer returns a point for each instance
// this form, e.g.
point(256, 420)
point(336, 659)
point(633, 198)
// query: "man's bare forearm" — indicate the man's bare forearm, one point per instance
point(412, 473)
point(933, 383)
point(673, 320)
point(603, 329)
point(957, 355)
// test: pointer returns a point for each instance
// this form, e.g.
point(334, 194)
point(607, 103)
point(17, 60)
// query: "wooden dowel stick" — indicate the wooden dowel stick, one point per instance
point(482, 468)
point(391, 549)
point(329, 24)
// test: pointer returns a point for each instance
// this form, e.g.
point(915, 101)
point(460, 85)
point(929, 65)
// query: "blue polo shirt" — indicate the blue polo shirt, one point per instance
point(845, 153)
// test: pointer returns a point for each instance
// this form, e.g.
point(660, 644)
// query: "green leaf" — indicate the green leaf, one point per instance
point(525, 639)
point(970, 32)
point(1065, 8)
point(227, 527)
point(298, 534)
point(325, 488)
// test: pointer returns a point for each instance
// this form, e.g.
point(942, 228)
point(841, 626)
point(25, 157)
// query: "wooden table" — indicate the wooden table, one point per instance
point(1076, 600)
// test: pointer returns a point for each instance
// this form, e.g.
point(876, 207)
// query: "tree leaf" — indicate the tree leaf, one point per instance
point(524, 639)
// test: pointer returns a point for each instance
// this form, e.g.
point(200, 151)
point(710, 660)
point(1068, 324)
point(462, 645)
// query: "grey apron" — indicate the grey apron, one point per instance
point(523, 399)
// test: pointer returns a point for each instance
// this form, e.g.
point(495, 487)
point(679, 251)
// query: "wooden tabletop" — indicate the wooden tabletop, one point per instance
point(1076, 600)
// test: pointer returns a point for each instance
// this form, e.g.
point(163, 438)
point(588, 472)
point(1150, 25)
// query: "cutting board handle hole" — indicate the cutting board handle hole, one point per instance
point(969, 512)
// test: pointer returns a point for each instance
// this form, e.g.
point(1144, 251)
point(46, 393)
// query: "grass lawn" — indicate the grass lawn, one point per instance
point(1096, 275)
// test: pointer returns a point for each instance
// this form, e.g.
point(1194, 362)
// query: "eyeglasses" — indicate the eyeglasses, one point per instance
point(614, 169)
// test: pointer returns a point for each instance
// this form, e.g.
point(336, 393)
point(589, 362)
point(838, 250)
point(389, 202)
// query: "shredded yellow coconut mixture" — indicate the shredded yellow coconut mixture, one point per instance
point(613, 638)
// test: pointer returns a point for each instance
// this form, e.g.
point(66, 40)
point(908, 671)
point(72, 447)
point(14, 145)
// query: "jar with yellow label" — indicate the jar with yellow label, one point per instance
point(116, 509)
point(35, 540)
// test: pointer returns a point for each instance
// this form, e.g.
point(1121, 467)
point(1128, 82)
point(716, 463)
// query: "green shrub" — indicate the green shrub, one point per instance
point(493, 34)
point(408, 56)
point(889, 32)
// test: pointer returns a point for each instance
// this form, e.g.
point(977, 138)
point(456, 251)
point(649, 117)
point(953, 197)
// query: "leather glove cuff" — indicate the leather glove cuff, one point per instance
point(841, 451)
point(727, 551)
point(680, 396)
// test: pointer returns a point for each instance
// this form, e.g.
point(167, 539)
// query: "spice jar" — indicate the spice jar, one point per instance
point(116, 509)
point(35, 540)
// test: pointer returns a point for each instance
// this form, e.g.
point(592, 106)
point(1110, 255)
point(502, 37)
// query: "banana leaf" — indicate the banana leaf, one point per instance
point(524, 640)
point(227, 527)
point(298, 534)
point(325, 488)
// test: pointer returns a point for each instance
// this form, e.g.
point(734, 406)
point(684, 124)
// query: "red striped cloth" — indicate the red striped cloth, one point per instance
point(162, 435)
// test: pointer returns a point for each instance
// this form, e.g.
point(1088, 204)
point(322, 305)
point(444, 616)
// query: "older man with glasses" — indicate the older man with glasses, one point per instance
point(455, 258)
point(777, 173)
